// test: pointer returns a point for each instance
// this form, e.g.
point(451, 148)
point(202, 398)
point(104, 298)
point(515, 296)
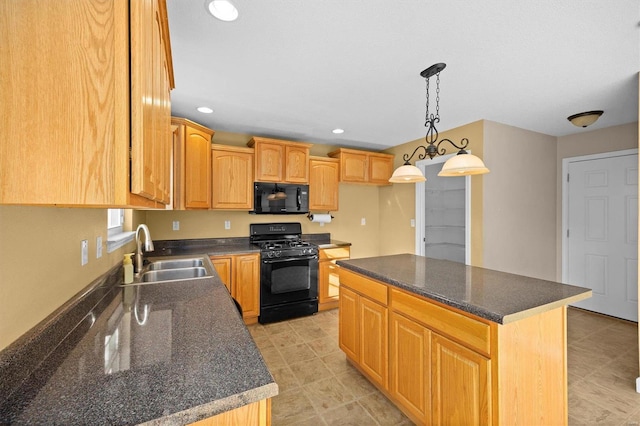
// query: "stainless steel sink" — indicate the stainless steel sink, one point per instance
point(175, 264)
point(173, 274)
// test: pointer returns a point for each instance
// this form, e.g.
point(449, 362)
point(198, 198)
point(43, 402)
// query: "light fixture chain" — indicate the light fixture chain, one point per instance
point(426, 117)
point(438, 96)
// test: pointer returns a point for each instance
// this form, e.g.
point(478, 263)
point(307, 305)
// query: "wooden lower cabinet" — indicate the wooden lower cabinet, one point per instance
point(254, 414)
point(410, 365)
point(363, 334)
point(240, 273)
point(460, 385)
point(328, 278)
point(448, 367)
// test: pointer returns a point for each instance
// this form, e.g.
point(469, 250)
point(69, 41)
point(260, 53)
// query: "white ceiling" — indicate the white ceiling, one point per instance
point(297, 69)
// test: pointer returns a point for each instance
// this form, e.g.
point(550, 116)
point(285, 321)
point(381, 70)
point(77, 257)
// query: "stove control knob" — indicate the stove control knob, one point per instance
point(278, 253)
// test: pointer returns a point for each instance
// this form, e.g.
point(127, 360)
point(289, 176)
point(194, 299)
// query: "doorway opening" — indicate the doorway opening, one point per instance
point(443, 217)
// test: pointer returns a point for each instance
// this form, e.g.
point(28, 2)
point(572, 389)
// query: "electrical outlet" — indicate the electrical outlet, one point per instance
point(363, 221)
point(98, 247)
point(176, 225)
point(413, 223)
point(227, 224)
point(84, 247)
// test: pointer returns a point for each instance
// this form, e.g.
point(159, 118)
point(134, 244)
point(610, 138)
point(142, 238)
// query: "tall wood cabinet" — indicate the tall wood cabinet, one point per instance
point(192, 165)
point(324, 176)
point(366, 167)
point(280, 161)
point(92, 80)
point(231, 177)
point(240, 273)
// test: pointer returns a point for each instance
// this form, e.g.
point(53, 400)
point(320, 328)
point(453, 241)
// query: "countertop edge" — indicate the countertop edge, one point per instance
point(216, 407)
point(509, 318)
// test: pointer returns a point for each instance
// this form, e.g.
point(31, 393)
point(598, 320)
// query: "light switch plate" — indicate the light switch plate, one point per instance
point(99, 247)
point(363, 221)
point(84, 248)
point(227, 224)
point(176, 225)
point(413, 223)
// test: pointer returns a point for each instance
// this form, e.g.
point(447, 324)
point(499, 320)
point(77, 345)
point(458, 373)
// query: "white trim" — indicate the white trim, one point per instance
point(565, 198)
point(419, 213)
point(116, 241)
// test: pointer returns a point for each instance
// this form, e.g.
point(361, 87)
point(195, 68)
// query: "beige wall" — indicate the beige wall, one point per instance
point(40, 262)
point(519, 201)
point(585, 142)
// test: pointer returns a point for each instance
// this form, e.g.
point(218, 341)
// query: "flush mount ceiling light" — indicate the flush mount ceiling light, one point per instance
point(584, 119)
point(223, 10)
point(205, 110)
point(463, 164)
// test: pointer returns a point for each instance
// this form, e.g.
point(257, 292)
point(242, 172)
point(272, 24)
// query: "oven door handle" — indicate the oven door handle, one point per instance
point(288, 259)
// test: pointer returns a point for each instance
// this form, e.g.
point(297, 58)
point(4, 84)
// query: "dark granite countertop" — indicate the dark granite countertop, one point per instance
point(497, 296)
point(164, 353)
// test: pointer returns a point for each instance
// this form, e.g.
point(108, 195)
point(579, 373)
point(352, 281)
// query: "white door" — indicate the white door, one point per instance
point(442, 212)
point(602, 231)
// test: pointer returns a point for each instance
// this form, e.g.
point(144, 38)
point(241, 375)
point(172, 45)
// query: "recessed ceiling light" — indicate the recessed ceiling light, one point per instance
point(338, 131)
point(205, 110)
point(224, 10)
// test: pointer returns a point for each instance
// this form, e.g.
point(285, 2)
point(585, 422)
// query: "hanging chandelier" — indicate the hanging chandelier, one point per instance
point(463, 164)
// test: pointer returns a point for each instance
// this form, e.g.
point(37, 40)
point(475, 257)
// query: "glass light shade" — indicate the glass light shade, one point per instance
point(585, 119)
point(463, 165)
point(407, 174)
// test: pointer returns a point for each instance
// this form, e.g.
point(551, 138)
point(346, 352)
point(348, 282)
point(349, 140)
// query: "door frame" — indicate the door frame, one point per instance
point(420, 208)
point(565, 198)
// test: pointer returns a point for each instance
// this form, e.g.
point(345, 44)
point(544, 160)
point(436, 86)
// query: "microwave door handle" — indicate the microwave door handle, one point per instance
point(298, 198)
point(292, 259)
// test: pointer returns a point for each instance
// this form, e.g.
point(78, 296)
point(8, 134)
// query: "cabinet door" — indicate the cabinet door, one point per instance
point(269, 164)
point(296, 164)
point(353, 167)
point(246, 284)
point(328, 282)
point(349, 328)
point(323, 184)
point(460, 384)
point(232, 180)
point(223, 268)
point(197, 171)
point(374, 348)
point(410, 360)
point(380, 169)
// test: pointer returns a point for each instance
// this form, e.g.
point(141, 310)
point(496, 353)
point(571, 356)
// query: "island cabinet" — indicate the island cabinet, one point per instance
point(231, 178)
point(328, 279)
point(280, 161)
point(191, 165)
point(254, 414)
point(324, 176)
point(364, 166)
point(95, 78)
point(240, 273)
point(363, 326)
point(447, 366)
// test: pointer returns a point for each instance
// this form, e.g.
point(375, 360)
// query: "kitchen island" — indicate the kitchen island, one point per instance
point(169, 353)
point(455, 344)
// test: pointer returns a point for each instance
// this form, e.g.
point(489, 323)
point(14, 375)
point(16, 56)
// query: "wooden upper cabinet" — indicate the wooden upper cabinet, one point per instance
point(324, 175)
point(363, 166)
point(280, 161)
point(192, 165)
point(232, 178)
point(104, 95)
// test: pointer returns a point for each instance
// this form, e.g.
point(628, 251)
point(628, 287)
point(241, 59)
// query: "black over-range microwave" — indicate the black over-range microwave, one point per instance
point(280, 198)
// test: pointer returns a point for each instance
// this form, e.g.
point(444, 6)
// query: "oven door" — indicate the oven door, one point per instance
point(285, 280)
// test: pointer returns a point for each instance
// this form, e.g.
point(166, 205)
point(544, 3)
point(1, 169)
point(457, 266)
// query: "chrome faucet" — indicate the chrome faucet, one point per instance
point(148, 245)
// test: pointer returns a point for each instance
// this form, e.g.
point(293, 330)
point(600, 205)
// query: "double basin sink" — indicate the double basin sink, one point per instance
point(174, 269)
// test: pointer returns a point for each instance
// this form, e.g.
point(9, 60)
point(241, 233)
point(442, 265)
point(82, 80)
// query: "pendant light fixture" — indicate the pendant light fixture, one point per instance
point(463, 164)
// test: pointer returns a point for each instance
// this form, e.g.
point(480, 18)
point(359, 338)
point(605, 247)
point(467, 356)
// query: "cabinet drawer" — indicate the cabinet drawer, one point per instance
point(471, 333)
point(366, 286)
point(335, 253)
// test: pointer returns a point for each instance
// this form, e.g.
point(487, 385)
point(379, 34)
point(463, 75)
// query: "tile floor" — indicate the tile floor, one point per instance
point(319, 387)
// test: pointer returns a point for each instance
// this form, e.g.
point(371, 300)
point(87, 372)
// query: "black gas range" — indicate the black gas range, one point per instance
point(288, 271)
